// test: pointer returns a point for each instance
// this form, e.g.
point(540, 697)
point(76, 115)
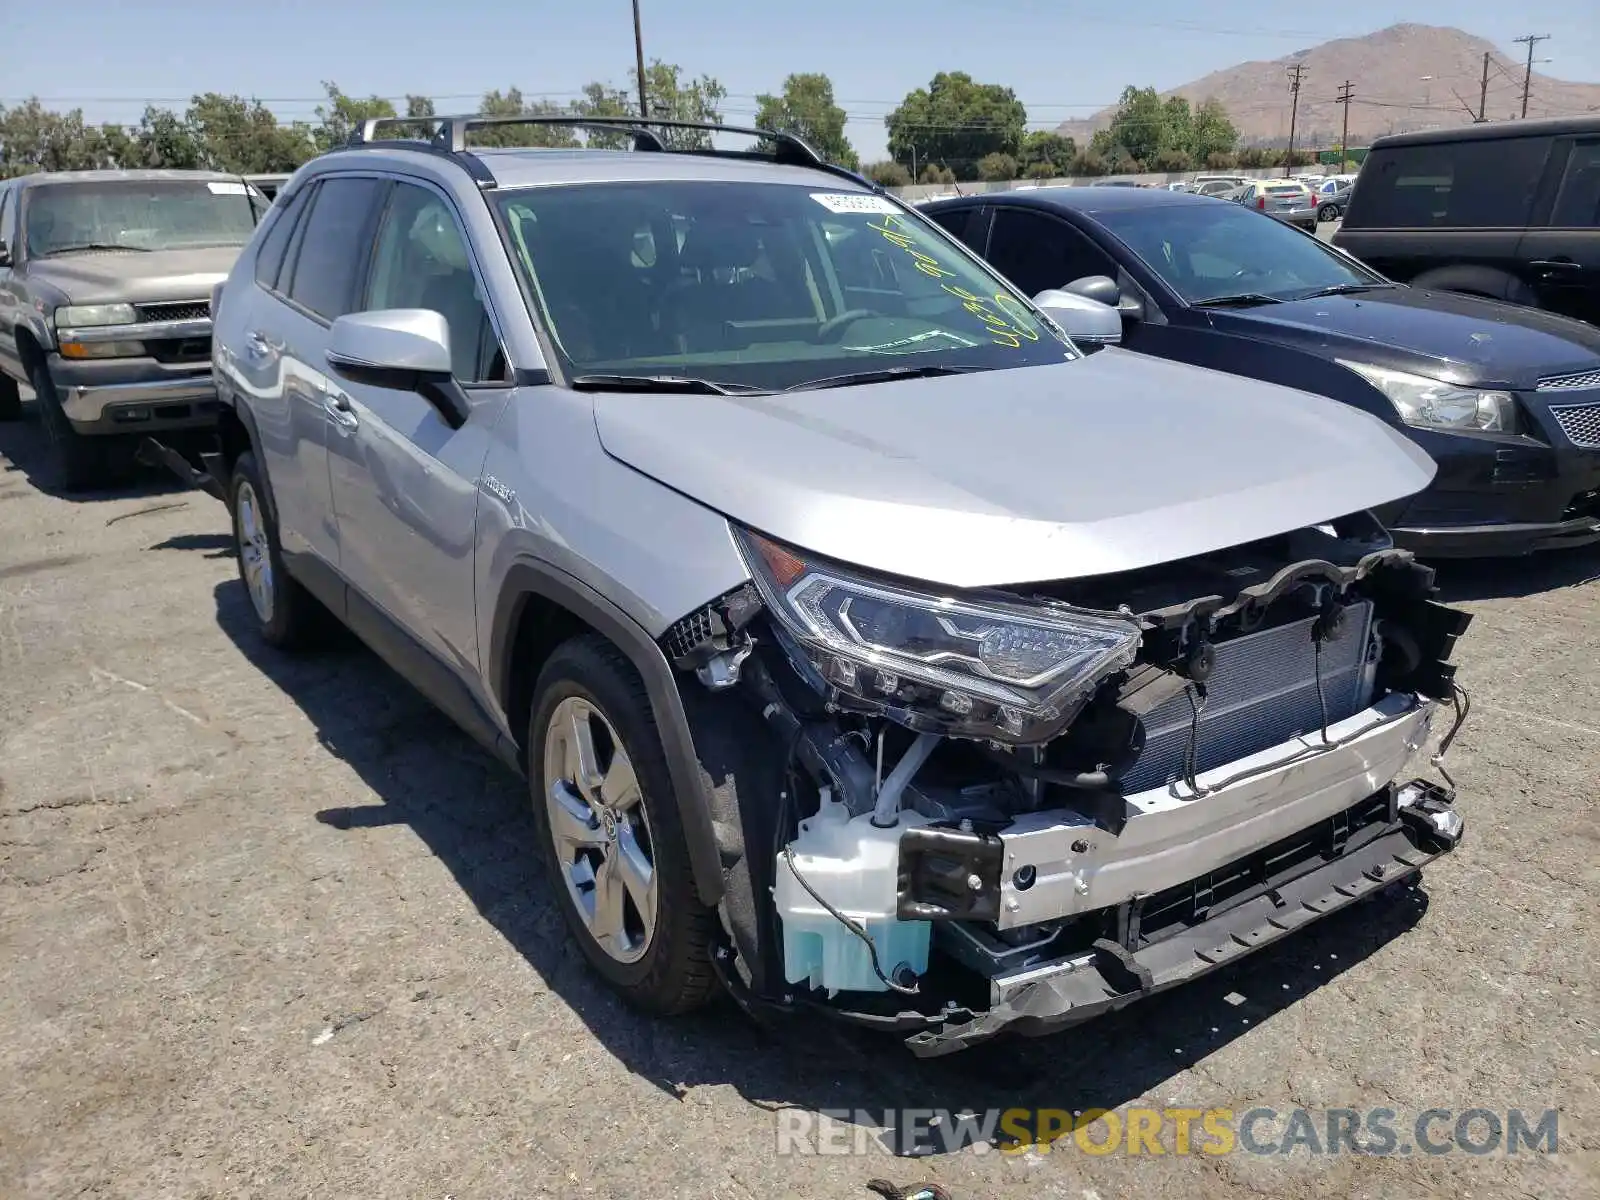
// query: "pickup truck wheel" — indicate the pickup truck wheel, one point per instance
point(10, 399)
point(285, 612)
point(80, 461)
point(610, 830)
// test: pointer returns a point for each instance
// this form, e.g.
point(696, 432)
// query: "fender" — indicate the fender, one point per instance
point(1477, 280)
point(528, 577)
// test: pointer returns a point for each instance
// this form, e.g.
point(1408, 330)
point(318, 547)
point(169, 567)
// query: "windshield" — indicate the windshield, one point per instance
point(760, 285)
point(156, 214)
point(1207, 251)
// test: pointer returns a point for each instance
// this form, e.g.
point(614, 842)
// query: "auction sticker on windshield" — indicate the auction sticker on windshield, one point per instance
point(227, 187)
point(853, 202)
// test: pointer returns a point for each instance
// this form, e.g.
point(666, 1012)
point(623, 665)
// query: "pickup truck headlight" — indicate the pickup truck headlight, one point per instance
point(1434, 404)
point(1011, 671)
point(80, 316)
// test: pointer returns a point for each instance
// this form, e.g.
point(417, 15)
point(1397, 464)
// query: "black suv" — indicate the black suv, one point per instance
point(1510, 211)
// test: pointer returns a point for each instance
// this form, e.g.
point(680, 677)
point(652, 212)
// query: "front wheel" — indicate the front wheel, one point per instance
point(10, 399)
point(80, 461)
point(611, 833)
point(1328, 212)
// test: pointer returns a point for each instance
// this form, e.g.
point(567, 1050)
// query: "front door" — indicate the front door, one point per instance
point(405, 485)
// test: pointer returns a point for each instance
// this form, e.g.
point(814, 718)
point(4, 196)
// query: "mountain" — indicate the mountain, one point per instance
point(1386, 70)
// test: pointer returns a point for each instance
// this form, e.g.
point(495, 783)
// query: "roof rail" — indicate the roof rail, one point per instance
point(450, 138)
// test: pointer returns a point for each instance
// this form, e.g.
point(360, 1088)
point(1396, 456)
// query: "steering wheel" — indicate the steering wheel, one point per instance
point(837, 325)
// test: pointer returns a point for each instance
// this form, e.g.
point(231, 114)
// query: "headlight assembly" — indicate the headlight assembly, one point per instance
point(81, 316)
point(1433, 404)
point(998, 669)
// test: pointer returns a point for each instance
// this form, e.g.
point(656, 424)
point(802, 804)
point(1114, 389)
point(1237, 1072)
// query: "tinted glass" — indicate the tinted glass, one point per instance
point(1204, 251)
point(333, 246)
point(7, 220)
point(155, 214)
point(1453, 185)
point(421, 261)
point(771, 285)
point(1037, 251)
point(269, 258)
point(1578, 201)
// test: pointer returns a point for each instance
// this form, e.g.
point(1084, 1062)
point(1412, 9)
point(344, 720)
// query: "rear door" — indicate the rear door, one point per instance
point(283, 347)
point(405, 484)
point(1561, 254)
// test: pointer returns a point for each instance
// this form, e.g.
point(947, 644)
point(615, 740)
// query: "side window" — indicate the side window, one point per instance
point(1036, 251)
point(269, 258)
point(332, 248)
point(8, 221)
point(1483, 183)
point(1578, 201)
point(421, 261)
point(956, 221)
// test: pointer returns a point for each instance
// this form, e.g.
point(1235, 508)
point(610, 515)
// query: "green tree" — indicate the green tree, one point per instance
point(997, 168)
point(35, 138)
point(244, 136)
point(419, 106)
point(166, 140)
point(343, 114)
point(672, 97)
point(887, 174)
point(1046, 149)
point(1088, 163)
point(807, 109)
point(936, 173)
point(1214, 132)
point(1138, 126)
point(511, 104)
point(956, 121)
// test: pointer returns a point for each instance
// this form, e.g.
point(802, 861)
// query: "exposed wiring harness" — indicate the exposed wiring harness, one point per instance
point(1463, 705)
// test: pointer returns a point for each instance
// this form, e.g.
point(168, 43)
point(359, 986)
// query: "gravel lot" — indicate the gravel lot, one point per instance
point(272, 928)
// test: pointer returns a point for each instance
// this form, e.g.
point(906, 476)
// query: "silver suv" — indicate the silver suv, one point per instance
point(105, 287)
point(868, 644)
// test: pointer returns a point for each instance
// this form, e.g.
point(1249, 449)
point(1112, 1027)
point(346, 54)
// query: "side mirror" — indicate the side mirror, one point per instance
point(1096, 287)
point(1084, 320)
point(403, 349)
point(5, 255)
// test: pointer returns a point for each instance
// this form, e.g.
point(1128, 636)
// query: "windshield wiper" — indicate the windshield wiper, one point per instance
point(1343, 289)
point(882, 375)
point(1241, 298)
point(684, 384)
point(77, 246)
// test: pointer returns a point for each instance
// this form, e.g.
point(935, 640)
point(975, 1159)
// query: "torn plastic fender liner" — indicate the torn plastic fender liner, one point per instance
point(1038, 1000)
point(212, 480)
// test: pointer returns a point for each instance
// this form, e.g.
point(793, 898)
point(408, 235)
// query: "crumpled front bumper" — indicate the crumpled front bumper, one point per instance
point(1041, 998)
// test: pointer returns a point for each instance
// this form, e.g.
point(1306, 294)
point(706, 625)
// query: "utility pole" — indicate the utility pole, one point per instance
point(1294, 107)
point(1533, 39)
point(638, 54)
point(1483, 90)
point(1344, 138)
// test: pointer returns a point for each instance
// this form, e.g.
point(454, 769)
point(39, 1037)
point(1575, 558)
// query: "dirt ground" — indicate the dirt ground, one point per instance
point(216, 985)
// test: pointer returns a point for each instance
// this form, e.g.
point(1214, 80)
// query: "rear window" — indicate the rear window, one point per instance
point(1288, 190)
point(1452, 185)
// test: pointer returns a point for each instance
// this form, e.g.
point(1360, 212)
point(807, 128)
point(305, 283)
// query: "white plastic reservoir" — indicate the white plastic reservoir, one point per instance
point(854, 866)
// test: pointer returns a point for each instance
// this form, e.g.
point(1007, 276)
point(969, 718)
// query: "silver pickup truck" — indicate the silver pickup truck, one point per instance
point(105, 303)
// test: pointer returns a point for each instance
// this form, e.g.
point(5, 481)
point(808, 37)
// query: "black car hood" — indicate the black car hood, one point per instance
point(1464, 339)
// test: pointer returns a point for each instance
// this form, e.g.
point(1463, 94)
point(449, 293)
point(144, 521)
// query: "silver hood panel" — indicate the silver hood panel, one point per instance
point(137, 277)
point(1110, 463)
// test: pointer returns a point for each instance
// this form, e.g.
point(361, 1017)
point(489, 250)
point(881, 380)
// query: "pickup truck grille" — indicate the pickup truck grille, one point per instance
point(1262, 692)
point(177, 310)
point(1580, 422)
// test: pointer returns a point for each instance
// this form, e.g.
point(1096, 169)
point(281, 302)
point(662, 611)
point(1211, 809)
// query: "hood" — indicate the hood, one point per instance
point(1444, 335)
point(135, 277)
point(1109, 463)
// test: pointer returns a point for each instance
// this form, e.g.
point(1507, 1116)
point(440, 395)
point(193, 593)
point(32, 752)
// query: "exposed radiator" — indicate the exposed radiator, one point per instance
point(1262, 691)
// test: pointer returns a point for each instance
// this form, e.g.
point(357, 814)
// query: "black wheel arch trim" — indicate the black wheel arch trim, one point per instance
point(528, 578)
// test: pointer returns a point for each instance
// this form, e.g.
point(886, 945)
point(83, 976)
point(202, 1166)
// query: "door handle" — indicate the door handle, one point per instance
point(260, 345)
point(1555, 264)
point(338, 406)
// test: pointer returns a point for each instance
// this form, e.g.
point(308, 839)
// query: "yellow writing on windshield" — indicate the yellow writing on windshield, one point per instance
point(1006, 318)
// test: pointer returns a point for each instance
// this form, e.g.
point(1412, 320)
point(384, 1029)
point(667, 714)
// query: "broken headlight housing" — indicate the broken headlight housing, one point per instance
point(974, 667)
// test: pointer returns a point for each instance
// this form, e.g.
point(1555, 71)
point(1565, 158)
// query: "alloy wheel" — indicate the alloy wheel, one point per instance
point(255, 551)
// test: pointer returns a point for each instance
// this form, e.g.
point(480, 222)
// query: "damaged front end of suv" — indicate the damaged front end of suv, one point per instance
point(1016, 809)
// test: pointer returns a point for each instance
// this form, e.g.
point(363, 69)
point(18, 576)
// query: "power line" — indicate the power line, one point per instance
point(1345, 96)
point(1532, 39)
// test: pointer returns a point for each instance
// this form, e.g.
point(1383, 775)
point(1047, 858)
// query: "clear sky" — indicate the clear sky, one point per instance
point(1064, 58)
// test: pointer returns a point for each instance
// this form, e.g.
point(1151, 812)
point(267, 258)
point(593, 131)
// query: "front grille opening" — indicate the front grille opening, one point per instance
point(1580, 423)
point(180, 350)
point(178, 310)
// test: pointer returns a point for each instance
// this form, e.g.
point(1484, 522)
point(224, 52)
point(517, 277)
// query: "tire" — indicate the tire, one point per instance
point(591, 835)
point(286, 614)
point(80, 461)
point(1328, 212)
point(10, 399)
